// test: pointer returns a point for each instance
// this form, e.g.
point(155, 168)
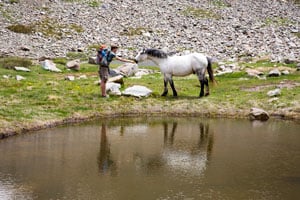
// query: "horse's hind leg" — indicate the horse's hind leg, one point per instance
point(173, 87)
point(207, 87)
point(201, 77)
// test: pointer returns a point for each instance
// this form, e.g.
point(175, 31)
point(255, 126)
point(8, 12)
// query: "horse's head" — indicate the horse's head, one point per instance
point(142, 55)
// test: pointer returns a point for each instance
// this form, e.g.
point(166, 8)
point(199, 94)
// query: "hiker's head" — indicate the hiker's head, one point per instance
point(114, 48)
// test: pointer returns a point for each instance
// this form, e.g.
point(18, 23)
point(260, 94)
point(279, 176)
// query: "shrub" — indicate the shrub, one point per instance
point(11, 62)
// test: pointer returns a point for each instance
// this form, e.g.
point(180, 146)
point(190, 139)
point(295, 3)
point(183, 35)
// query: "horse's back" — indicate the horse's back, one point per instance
point(185, 64)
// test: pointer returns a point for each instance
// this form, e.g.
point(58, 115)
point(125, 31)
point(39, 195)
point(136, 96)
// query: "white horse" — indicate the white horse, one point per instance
point(170, 66)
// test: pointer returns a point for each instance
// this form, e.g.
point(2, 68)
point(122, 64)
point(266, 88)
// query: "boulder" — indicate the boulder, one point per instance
point(113, 88)
point(137, 91)
point(50, 66)
point(258, 114)
point(274, 73)
point(92, 60)
point(116, 79)
point(73, 64)
point(127, 69)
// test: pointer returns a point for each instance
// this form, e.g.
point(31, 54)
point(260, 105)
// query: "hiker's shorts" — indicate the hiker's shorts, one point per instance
point(103, 73)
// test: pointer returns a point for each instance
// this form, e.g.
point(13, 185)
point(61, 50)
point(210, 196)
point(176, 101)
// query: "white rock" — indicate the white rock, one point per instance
point(50, 66)
point(137, 91)
point(113, 88)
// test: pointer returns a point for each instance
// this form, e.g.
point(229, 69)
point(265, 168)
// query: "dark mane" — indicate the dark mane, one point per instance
point(156, 53)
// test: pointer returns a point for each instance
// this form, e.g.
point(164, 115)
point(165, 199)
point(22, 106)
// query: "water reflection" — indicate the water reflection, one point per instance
point(184, 153)
point(169, 158)
point(104, 157)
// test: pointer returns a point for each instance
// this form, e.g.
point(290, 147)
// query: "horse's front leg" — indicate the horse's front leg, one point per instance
point(165, 87)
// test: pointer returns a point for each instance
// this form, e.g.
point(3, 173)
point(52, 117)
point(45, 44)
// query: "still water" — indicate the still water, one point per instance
point(157, 158)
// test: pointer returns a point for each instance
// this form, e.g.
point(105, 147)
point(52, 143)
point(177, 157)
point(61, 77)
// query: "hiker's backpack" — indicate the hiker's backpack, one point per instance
point(102, 54)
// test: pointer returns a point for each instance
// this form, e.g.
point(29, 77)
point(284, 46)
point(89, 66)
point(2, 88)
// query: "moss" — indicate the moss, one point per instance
point(200, 13)
point(278, 21)
point(94, 3)
point(220, 3)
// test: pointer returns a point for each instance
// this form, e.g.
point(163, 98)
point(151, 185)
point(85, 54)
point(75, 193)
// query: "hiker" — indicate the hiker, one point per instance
point(104, 68)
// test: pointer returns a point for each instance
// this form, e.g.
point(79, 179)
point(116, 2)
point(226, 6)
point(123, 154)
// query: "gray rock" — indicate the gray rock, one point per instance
point(258, 114)
point(92, 60)
point(127, 69)
point(73, 64)
point(116, 79)
point(274, 73)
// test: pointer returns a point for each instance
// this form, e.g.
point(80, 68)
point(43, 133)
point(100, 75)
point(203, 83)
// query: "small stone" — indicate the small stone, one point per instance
point(19, 77)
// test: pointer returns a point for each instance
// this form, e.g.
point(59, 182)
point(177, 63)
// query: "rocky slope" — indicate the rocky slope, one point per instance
point(219, 28)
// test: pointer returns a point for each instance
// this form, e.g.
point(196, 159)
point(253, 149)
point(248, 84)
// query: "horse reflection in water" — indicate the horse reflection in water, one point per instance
point(184, 156)
point(178, 153)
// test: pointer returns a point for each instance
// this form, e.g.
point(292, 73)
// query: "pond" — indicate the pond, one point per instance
point(154, 158)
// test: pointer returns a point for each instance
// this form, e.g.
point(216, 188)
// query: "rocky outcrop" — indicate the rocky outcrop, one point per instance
point(227, 29)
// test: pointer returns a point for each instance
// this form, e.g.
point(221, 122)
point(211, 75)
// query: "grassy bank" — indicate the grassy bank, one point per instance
point(46, 99)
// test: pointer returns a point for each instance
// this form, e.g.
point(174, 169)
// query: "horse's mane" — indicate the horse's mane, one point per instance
point(156, 53)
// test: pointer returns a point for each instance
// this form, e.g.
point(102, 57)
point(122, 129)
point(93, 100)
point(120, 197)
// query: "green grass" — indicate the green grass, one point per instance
point(45, 97)
point(200, 13)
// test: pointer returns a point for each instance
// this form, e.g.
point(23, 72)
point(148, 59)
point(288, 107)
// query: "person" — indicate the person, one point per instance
point(104, 70)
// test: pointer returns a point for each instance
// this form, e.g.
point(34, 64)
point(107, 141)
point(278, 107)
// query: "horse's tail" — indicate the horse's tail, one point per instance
point(210, 70)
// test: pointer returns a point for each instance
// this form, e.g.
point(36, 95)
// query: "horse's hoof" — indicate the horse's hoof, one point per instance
point(164, 94)
point(206, 94)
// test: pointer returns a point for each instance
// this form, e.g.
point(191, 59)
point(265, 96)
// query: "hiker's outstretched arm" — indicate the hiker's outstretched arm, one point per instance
point(124, 60)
